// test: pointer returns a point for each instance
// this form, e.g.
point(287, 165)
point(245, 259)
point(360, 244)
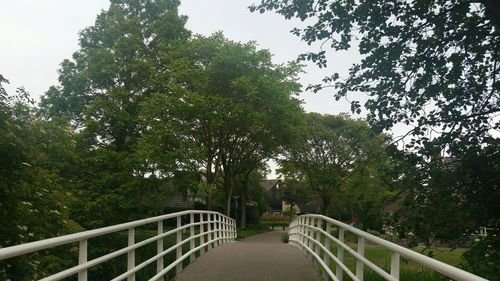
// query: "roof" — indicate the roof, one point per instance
point(269, 184)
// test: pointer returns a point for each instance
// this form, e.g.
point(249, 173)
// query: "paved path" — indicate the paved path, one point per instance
point(261, 257)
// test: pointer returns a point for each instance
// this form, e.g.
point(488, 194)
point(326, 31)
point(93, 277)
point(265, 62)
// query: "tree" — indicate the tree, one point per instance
point(294, 190)
point(33, 200)
point(432, 65)
point(248, 188)
point(123, 58)
point(232, 110)
point(332, 149)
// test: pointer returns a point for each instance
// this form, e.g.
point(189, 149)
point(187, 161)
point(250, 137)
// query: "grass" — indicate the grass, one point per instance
point(409, 270)
point(251, 230)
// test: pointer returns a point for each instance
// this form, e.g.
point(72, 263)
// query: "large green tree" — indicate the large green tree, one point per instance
point(123, 59)
point(232, 107)
point(432, 65)
point(331, 150)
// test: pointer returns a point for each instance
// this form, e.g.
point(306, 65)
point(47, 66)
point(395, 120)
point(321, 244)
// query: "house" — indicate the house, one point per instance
point(167, 198)
point(272, 187)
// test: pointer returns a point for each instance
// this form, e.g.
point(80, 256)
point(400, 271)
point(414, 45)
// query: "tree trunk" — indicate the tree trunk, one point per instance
point(325, 205)
point(228, 190)
point(210, 180)
point(243, 221)
point(227, 205)
point(209, 205)
point(292, 205)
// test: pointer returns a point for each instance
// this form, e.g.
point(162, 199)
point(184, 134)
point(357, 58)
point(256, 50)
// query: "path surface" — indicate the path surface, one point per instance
point(261, 257)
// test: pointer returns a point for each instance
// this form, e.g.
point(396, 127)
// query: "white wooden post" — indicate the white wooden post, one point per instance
point(192, 256)
point(131, 254)
point(302, 232)
point(178, 267)
point(202, 236)
point(226, 227)
point(317, 237)
point(159, 249)
point(310, 233)
point(235, 229)
point(340, 255)
point(210, 235)
point(395, 265)
point(216, 228)
point(223, 229)
point(82, 258)
point(359, 264)
point(326, 257)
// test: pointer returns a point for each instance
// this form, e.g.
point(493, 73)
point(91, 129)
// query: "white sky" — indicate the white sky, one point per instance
point(36, 35)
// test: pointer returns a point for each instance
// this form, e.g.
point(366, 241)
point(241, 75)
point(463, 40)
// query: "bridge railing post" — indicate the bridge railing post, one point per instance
point(308, 237)
point(217, 227)
point(235, 230)
point(395, 265)
point(192, 256)
point(326, 257)
point(209, 228)
point(159, 249)
point(178, 267)
point(131, 254)
point(359, 264)
point(202, 233)
point(303, 229)
point(82, 258)
point(317, 238)
point(340, 255)
point(224, 224)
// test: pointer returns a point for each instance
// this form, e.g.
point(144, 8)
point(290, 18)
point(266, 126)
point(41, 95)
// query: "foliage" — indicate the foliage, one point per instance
point(456, 196)
point(284, 238)
point(121, 61)
point(332, 149)
point(293, 190)
point(233, 109)
point(484, 256)
point(33, 202)
point(252, 196)
point(432, 65)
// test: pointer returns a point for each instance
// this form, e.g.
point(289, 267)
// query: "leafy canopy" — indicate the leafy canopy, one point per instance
point(432, 65)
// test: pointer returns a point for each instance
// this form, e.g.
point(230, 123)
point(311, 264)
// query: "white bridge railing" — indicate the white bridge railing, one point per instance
point(210, 228)
point(313, 235)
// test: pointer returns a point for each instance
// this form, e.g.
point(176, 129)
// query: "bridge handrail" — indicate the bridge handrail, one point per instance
point(306, 230)
point(220, 229)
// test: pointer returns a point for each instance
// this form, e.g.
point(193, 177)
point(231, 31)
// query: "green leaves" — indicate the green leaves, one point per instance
point(435, 60)
point(230, 109)
point(331, 151)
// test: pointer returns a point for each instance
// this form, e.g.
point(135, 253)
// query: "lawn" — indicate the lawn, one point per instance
point(409, 269)
point(251, 230)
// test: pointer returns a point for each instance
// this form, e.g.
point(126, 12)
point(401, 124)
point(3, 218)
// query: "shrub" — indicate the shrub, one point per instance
point(284, 238)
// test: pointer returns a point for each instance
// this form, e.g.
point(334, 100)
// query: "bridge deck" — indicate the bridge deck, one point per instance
point(261, 257)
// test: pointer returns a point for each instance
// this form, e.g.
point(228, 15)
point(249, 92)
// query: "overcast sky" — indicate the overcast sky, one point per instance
point(36, 35)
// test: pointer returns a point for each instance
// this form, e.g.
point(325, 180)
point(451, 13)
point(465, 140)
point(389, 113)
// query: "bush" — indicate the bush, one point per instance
point(284, 238)
point(273, 224)
point(273, 217)
point(483, 258)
